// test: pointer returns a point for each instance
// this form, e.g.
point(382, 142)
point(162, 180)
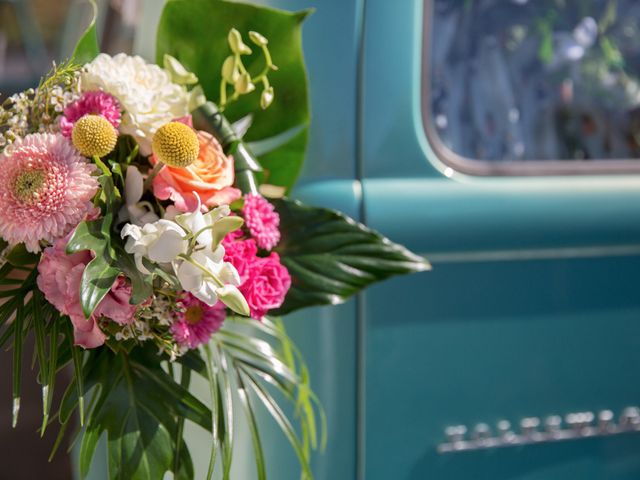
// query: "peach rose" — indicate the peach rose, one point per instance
point(210, 177)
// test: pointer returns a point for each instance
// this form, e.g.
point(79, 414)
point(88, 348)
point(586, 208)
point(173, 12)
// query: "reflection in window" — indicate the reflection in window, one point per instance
point(536, 79)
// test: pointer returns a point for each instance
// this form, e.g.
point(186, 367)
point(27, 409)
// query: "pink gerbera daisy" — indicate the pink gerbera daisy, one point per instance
point(46, 189)
point(262, 221)
point(91, 103)
point(196, 321)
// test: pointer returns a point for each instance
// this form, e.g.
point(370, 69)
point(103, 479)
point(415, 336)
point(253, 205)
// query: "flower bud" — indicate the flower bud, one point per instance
point(243, 84)
point(196, 98)
point(258, 39)
point(229, 70)
point(222, 227)
point(232, 298)
point(237, 45)
point(177, 72)
point(266, 98)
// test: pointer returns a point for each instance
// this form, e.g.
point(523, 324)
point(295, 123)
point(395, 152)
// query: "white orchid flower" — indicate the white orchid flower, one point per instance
point(134, 211)
point(209, 278)
point(160, 242)
point(191, 245)
point(210, 228)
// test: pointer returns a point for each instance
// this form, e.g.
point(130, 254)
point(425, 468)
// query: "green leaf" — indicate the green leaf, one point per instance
point(281, 419)
point(87, 47)
point(20, 257)
point(140, 408)
point(101, 272)
point(213, 393)
point(88, 447)
point(110, 260)
point(18, 340)
point(195, 32)
point(281, 166)
point(331, 257)
point(249, 409)
point(41, 351)
point(76, 356)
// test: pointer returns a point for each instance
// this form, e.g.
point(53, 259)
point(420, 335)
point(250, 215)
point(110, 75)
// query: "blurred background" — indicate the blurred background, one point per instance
point(33, 33)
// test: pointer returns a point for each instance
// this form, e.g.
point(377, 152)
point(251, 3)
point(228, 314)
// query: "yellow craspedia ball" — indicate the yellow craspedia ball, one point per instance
point(93, 135)
point(176, 144)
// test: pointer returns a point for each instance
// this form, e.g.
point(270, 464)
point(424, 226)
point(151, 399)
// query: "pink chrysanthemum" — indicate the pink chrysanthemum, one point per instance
point(262, 221)
point(91, 103)
point(45, 189)
point(196, 322)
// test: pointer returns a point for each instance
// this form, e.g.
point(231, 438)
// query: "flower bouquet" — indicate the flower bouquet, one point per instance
point(146, 239)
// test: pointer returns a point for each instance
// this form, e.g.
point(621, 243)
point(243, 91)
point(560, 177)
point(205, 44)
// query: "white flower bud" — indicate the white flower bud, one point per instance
point(178, 73)
point(258, 39)
point(266, 98)
point(244, 85)
point(236, 43)
point(230, 70)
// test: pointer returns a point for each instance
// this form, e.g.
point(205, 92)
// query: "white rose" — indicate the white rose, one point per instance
point(145, 91)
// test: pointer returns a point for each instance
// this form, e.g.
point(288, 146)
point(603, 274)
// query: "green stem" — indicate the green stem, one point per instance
point(245, 164)
point(149, 180)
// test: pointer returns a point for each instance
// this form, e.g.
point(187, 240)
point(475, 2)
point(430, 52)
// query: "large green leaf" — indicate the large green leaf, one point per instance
point(87, 47)
point(139, 406)
point(195, 32)
point(330, 256)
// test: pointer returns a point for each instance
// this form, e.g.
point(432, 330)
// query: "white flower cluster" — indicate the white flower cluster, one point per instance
point(145, 91)
point(14, 117)
point(16, 114)
point(190, 246)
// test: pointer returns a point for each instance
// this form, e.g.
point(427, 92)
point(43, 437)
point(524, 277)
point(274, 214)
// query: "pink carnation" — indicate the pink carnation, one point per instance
point(267, 284)
point(46, 188)
point(59, 279)
point(196, 321)
point(241, 254)
point(91, 103)
point(262, 221)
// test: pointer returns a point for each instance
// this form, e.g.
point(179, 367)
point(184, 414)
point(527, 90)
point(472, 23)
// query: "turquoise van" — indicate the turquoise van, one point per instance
point(500, 140)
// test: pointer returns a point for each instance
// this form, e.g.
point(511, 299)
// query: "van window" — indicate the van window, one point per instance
point(521, 81)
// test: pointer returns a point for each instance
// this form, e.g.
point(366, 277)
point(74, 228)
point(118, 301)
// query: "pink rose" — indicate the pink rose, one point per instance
point(59, 279)
point(266, 286)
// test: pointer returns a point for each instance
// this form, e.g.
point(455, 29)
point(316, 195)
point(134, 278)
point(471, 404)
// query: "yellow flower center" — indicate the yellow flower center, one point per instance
point(194, 314)
point(27, 185)
point(176, 144)
point(93, 135)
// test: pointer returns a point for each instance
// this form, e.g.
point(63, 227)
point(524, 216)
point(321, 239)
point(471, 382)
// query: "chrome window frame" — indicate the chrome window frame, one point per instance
point(480, 167)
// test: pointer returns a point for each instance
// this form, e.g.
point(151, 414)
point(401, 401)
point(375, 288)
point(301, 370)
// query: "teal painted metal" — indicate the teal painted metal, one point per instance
point(328, 335)
point(531, 308)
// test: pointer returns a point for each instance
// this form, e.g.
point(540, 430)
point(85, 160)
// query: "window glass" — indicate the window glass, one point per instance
point(522, 80)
